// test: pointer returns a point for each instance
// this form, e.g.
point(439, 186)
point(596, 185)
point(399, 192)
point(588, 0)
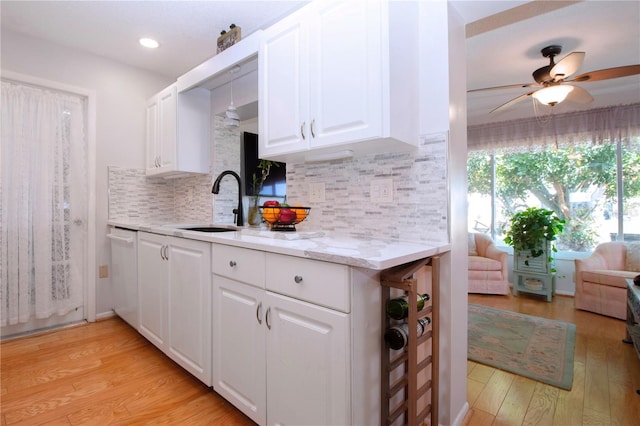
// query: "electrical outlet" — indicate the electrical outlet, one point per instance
point(381, 190)
point(316, 192)
point(103, 271)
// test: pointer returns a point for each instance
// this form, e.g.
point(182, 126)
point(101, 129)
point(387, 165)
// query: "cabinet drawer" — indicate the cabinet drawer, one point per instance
point(239, 264)
point(321, 283)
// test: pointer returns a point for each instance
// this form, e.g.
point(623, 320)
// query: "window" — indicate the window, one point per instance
point(594, 187)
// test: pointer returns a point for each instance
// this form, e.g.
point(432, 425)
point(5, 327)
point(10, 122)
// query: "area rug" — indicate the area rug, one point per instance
point(533, 347)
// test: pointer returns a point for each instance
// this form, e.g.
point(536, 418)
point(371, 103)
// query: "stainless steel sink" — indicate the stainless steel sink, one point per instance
point(208, 229)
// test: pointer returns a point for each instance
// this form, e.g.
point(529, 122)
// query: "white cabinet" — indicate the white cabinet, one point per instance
point(339, 75)
point(178, 132)
point(278, 355)
point(308, 363)
point(124, 274)
point(175, 299)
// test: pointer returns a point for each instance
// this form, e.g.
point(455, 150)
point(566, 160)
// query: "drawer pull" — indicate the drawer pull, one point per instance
point(297, 279)
point(258, 312)
point(232, 263)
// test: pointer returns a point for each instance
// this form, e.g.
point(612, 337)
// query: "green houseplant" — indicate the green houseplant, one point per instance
point(533, 230)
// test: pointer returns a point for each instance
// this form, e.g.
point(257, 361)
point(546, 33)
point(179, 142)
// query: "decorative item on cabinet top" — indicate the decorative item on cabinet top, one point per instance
point(229, 38)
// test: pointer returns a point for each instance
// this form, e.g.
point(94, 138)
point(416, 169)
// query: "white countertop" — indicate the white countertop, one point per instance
point(366, 253)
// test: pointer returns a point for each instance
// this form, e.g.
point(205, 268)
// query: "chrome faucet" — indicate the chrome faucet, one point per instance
point(239, 217)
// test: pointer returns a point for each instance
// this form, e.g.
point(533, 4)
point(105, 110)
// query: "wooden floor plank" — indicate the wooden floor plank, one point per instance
point(606, 372)
point(516, 402)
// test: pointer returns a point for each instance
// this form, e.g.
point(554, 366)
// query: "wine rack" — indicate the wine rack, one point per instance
point(409, 389)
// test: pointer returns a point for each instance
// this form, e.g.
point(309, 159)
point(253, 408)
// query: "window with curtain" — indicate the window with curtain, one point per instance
point(43, 203)
point(583, 166)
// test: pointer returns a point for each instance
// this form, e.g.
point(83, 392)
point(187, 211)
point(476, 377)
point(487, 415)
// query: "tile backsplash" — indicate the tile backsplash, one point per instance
point(419, 211)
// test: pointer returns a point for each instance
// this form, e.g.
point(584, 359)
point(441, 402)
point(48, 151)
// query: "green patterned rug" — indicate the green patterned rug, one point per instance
point(529, 346)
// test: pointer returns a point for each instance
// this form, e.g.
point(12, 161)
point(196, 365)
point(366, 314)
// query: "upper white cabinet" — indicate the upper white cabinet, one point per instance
point(339, 75)
point(178, 132)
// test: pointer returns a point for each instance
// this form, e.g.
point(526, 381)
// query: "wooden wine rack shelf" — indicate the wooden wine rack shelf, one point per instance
point(401, 390)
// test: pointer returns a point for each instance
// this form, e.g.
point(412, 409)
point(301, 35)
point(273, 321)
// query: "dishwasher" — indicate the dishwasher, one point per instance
point(124, 274)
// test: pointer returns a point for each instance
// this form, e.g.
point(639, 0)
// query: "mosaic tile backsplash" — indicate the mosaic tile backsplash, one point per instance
point(419, 211)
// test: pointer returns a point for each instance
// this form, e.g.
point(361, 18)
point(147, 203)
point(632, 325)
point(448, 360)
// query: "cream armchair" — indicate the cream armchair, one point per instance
point(488, 271)
point(600, 278)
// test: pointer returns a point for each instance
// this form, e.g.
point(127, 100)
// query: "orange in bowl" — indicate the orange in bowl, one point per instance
point(301, 213)
point(270, 214)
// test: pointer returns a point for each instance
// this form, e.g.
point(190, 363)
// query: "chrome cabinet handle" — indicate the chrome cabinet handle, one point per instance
point(232, 263)
point(166, 252)
point(266, 317)
point(163, 256)
point(297, 279)
point(313, 133)
point(302, 130)
point(258, 312)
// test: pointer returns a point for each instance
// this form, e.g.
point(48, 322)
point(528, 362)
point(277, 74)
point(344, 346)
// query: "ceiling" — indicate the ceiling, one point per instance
point(503, 44)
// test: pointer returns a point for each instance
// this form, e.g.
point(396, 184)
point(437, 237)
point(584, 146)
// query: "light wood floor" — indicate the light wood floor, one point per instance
point(606, 375)
point(106, 373)
point(102, 373)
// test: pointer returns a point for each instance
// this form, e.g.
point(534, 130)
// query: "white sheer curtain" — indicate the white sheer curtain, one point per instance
point(43, 190)
point(596, 126)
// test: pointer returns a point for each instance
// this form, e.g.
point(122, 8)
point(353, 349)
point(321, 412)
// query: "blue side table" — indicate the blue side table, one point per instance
point(534, 283)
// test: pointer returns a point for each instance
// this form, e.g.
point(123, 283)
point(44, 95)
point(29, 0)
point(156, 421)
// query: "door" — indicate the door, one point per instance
point(239, 362)
point(189, 306)
point(124, 274)
point(308, 363)
point(153, 281)
point(345, 73)
point(283, 87)
point(44, 183)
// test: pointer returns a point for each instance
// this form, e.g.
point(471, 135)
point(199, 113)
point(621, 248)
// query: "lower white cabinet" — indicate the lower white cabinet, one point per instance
point(283, 360)
point(174, 276)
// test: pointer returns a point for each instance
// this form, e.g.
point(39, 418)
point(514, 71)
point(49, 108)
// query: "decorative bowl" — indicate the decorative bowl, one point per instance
point(284, 218)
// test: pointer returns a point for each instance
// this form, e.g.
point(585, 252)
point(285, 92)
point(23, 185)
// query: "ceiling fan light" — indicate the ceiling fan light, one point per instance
point(552, 95)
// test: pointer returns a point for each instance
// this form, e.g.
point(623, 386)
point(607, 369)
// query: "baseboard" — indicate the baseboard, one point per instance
point(105, 315)
point(460, 417)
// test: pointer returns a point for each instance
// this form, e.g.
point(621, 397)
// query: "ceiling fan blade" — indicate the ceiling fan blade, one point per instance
point(509, 86)
point(513, 102)
point(567, 66)
point(608, 73)
point(579, 95)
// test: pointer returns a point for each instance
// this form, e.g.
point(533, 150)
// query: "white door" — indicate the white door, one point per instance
point(189, 306)
point(308, 363)
point(44, 183)
point(239, 362)
point(345, 73)
point(283, 88)
point(153, 279)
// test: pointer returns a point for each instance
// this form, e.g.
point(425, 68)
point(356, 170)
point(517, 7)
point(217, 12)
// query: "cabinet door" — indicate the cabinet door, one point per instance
point(151, 162)
point(167, 129)
point(124, 275)
point(189, 306)
point(283, 87)
point(308, 363)
point(345, 73)
point(153, 281)
point(239, 373)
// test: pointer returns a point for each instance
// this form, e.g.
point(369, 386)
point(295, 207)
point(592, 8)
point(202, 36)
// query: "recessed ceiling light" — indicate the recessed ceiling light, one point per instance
point(149, 42)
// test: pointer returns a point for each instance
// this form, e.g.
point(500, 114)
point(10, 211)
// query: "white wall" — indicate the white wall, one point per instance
point(121, 93)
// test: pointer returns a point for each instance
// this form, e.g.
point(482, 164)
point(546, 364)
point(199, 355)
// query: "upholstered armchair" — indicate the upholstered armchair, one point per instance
point(488, 272)
point(600, 278)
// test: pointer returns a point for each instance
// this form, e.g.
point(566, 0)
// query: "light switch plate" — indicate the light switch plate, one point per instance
point(381, 190)
point(316, 192)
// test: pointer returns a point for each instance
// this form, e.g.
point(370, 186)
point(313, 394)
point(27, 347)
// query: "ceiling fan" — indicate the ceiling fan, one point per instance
point(552, 84)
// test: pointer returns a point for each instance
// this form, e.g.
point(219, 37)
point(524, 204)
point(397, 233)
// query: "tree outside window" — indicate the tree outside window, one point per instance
point(579, 183)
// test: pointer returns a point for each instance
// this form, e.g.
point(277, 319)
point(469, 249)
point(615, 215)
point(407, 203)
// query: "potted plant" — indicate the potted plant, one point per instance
point(531, 234)
point(257, 183)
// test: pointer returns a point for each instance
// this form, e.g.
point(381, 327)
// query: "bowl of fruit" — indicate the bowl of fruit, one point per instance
point(283, 217)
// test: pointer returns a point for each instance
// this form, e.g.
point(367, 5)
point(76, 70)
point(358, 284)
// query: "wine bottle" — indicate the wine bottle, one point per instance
point(398, 308)
point(397, 336)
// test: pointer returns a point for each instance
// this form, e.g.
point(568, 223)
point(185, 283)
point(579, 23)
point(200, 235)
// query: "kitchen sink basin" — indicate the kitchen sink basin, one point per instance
point(208, 229)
